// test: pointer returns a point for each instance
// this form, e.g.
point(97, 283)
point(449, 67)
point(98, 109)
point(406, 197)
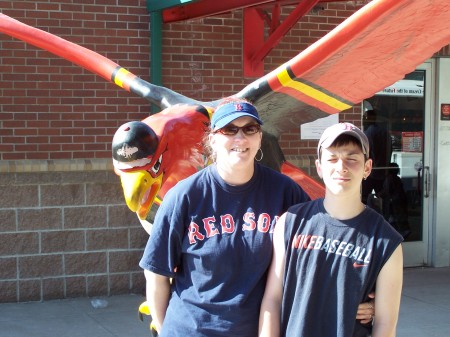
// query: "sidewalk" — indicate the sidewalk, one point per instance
point(73, 318)
point(425, 307)
point(425, 312)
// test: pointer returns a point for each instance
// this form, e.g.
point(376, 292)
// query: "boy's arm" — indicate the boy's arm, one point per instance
point(158, 293)
point(389, 289)
point(269, 317)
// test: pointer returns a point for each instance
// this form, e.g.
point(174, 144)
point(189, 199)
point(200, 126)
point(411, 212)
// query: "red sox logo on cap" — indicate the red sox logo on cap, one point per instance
point(238, 107)
point(347, 126)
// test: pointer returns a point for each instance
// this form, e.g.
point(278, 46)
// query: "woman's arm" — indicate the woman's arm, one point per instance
point(269, 318)
point(389, 289)
point(158, 294)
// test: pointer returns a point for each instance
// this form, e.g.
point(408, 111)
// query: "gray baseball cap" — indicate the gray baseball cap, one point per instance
point(331, 133)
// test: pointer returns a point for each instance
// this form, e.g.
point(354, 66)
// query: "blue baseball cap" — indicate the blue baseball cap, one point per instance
point(228, 112)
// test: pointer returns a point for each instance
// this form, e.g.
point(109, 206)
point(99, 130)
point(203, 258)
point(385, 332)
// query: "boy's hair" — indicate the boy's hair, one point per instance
point(343, 140)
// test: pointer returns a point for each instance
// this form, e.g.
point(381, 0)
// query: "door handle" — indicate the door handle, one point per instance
point(426, 181)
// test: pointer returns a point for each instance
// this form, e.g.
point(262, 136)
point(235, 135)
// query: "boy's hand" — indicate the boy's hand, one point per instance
point(366, 310)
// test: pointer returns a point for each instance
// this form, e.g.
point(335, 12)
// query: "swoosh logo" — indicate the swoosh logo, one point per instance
point(359, 265)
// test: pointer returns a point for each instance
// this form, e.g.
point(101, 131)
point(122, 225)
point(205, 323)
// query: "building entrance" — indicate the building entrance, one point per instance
point(397, 122)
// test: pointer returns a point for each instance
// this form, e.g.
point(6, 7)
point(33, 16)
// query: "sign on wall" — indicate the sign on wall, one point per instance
point(314, 130)
point(412, 141)
point(445, 111)
point(406, 87)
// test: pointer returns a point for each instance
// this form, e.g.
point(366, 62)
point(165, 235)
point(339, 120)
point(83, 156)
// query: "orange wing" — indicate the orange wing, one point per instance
point(369, 51)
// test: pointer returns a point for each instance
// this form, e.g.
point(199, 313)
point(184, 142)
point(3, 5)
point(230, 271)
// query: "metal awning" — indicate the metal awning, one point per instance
point(257, 13)
point(180, 10)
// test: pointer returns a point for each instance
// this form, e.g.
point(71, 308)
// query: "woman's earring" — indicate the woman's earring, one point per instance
point(262, 155)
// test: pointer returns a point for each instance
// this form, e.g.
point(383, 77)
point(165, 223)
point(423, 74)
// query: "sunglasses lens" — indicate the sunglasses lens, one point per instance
point(250, 129)
point(229, 130)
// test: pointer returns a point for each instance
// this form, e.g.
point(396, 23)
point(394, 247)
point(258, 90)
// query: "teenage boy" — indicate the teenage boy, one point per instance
point(330, 253)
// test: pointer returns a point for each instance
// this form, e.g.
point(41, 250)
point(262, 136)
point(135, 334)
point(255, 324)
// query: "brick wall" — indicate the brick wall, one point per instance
point(52, 109)
point(66, 232)
point(65, 229)
point(203, 60)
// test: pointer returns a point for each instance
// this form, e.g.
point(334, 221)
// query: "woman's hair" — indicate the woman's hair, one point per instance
point(207, 149)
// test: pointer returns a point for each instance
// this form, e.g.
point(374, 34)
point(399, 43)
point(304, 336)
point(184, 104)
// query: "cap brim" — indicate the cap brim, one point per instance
point(228, 119)
point(330, 140)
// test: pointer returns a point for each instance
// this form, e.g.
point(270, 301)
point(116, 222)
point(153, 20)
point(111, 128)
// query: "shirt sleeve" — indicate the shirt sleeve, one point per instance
point(163, 250)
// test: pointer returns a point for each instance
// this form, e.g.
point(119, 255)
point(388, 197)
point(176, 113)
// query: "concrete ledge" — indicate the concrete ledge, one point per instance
point(63, 165)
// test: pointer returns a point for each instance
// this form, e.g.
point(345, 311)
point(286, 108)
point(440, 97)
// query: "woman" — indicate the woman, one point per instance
point(212, 234)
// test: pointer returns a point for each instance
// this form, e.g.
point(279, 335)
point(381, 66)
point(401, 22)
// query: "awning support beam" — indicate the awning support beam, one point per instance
point(255, 48)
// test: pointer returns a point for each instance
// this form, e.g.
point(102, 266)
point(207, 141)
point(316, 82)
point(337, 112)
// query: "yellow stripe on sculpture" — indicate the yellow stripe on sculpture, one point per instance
point(309, 91)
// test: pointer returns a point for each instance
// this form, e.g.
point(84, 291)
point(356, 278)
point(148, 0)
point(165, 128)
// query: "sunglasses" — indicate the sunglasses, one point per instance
point(231, 130)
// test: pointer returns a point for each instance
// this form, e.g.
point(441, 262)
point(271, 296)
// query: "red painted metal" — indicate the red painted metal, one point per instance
point(255, 14)
point(206, 8)
point(303, 8)
point(264, 15)
point(275, 22)
point(253, 40)
point(372, 49)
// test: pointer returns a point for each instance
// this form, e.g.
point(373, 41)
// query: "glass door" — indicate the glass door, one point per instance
point(397, 122)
